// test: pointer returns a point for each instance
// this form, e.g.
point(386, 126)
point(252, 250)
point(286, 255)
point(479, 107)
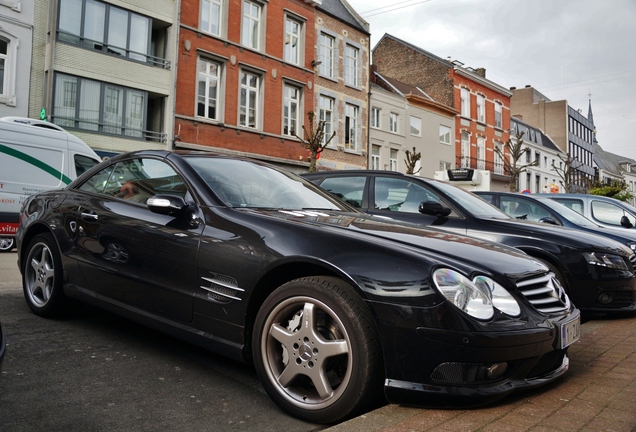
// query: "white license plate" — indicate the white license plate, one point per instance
point(570, 332)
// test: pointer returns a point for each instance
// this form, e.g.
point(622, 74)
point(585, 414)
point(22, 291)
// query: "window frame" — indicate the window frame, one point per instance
point(393, 122)
point(352, 118)
point(254, 34)
point(327, 65)
point(376, 114)
point(220, 18)
point(258, 99)
point(498, 115)
point(220, 78)
point(418, 126)
point(291, 105)
point(288, 56)
point(375, 156)
point(7, 86)
point(393, 158)
point(352, 65)
point(481, 108)
point(445, 131)
point(465, 102)
point(329, 122)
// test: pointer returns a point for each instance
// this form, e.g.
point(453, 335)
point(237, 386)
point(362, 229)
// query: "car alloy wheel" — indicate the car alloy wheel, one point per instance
point(6, 244)
point(317, 351)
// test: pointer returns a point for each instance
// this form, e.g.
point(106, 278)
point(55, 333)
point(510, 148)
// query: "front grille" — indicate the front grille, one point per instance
point(545, 293)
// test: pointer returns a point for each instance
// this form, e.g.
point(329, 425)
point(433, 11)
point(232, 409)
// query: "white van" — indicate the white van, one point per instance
point(34, 156)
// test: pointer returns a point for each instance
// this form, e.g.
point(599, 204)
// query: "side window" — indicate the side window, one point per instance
point(608, 213)
point(83, 164)
point(400, 195)
point(348, 189)
point(575, 205)
point(136, 180)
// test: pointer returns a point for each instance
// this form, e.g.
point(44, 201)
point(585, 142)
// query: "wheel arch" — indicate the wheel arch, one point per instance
point(29, 235)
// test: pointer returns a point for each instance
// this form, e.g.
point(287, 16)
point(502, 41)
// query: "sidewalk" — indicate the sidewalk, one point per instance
point(597, 394)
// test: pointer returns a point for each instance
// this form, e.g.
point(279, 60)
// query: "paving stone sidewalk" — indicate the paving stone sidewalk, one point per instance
point(597, 394)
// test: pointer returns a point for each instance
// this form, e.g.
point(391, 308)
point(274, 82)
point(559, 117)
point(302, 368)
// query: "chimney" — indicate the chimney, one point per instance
point(481, 72)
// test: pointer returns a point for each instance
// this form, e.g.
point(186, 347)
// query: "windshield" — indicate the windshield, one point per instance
point(568, 214)
point(473, 204)
point(247, 184)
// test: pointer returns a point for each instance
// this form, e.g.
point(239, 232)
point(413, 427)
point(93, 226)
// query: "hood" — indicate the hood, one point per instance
point(435, 244)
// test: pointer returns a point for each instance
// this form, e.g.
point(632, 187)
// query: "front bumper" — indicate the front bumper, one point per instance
point(604, 294)
point(447, 367)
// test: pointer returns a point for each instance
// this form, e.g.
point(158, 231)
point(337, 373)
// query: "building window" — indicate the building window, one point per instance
point(249, 99)
point(291, 110)
point(393, 160)
point(465, 150)
point(211, 16)
point(481, 153)
point(465, 102)
point(393, 122)
point(4, 63)
point(481, 108)
point(106, 28)
point(416, 126)
point(444, 134)
point(208, 78)
point(351, 127)
point(498, 119)
point(326, 115)
point(499, 162)
point(81, 103)
point(375, 157)
point(444, 166)
point(375, 117)
point(351, 65)
point(251, 26)
point(327, 55)
point(293, 34)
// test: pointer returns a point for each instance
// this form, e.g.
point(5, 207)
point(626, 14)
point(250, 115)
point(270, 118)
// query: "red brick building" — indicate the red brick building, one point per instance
point(245, 79)
point(483, 123)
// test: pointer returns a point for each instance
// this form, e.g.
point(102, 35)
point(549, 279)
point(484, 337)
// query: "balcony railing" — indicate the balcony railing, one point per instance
point(481, 164)
point(110, 129)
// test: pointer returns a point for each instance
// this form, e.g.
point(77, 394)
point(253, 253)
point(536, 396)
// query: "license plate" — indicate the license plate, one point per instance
point(570, 332)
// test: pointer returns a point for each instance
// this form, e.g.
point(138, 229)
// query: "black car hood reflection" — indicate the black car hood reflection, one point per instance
point(436, 242)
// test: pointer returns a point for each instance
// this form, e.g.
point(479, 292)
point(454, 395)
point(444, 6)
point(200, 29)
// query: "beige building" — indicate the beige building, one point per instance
point(342, 84)
point(404, 118)
point(105, 70)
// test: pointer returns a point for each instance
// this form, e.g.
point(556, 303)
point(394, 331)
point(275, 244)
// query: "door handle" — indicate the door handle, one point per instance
point(89, 216)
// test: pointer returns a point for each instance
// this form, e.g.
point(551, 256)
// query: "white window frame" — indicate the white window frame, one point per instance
point(499, 162)
point(481, 108)
point(245, 103)
point(376, 114)
point(352, 115)
point(327, 55)
point(326, 113)
point(209, 78)
point(465, 150)
point(393, 122)
point(393, 159)
point(375, 156)
point(444, 135)
point(352, 65)
point(465, 102)
point(292, 99)
point(416, 126)
point(498, 115)
point(251, 28)
point(293, 54)
point(212, 6)
point(8, 94)
point(481, 153)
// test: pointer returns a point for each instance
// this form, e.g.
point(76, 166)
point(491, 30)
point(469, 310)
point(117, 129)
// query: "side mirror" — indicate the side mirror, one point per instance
point(170, 205)
point(548, 220)
point(625, 222)
point(434, 208)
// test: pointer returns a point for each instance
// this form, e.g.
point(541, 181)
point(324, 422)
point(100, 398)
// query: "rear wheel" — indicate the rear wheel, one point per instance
point(316, 350)
point(6, 244)
point(42, 277)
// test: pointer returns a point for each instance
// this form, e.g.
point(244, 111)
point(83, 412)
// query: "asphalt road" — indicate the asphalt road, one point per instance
point(95, 371)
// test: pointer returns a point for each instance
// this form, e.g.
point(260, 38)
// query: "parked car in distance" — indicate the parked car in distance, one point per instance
point(331, 305)
point(605, 211)
point(597, 272)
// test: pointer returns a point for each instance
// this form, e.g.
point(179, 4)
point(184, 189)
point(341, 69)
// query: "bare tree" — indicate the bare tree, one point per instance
point(512, 165)
point(411, 161)
point(314, 139)
point(566, 170)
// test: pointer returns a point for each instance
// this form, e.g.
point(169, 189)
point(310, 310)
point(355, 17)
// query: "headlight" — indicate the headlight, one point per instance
point(464, 294)
point(501, 298)
point(632, 246)
point(605, 260)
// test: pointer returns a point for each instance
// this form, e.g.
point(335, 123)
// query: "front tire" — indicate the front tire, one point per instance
point(316, 350)
point(42, 277)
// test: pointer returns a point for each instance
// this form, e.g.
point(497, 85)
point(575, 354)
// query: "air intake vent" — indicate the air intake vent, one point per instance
point(545, 293)
point(220, 288)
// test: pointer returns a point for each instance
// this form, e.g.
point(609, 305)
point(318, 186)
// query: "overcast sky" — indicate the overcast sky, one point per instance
point(566, 49)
